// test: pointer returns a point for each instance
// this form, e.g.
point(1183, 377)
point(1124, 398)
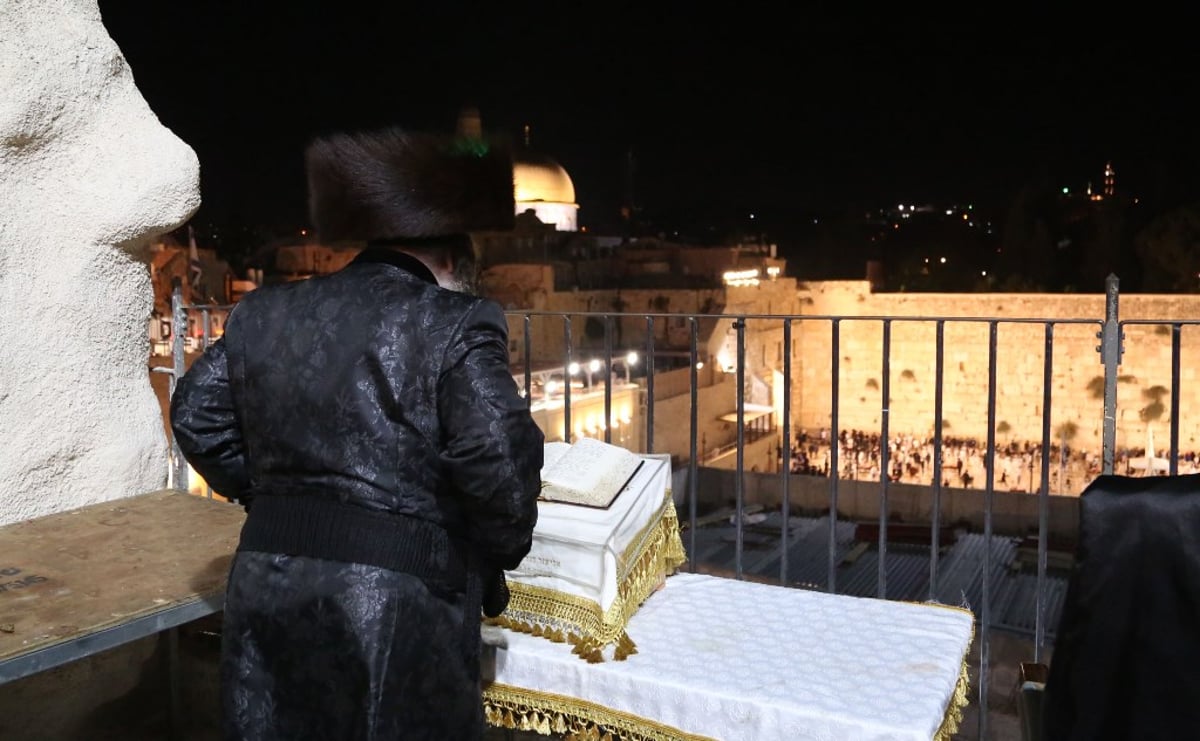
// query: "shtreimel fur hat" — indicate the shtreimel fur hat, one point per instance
point(394, 185)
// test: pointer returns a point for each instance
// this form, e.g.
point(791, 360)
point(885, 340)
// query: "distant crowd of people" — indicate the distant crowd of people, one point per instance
point(964, 461)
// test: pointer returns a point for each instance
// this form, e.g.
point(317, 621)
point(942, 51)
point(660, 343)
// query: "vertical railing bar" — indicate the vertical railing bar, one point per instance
point(884, 463)
point(178, 334)
point(1111, 338)
point(1039, 628)
point(170, 642)
point(650, 383)
point(567, 379)
point(738, 483)
point(1176, 331)
point(529, 365)
point(988, 495)
point(206, 331)
point(936, 524)
point(1045, 462)
point(1044, 490)
point(786, 504)
point(693, 464)
point(835, 445)
point(608, 370)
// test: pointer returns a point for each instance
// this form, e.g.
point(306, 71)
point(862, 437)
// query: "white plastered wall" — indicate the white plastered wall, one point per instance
point(88, 175)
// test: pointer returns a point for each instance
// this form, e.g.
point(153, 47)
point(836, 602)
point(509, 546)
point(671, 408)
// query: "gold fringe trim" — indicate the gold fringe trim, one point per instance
point(654, 553)
point(505, 706)
point(961, 697)
point(944, 606)
point(962, 689)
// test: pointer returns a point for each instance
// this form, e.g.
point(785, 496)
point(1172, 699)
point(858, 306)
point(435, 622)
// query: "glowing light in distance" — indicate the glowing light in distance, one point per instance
point(741, 277)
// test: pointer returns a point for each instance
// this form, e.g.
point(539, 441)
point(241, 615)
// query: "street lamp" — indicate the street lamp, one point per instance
point(593, 367)
point(631, 359)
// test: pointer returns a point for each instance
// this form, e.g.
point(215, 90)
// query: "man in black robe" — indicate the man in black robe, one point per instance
point(369, 423)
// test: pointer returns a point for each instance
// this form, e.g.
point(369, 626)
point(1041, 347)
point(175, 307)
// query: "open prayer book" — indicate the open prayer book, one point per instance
point(589, 472)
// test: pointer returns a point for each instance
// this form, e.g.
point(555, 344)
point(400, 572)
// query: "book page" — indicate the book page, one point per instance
point(551, 452)
point(591, 472)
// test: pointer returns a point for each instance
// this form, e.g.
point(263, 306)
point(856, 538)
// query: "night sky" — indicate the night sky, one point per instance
point(782, 113)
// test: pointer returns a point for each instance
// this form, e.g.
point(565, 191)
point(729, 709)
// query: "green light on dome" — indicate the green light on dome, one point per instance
point(469, 146)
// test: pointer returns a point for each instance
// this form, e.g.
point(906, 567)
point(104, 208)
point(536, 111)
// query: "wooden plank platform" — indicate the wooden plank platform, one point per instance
point(85, 580)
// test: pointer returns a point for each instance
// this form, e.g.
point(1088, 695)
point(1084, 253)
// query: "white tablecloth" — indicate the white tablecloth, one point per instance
point(589, 568)
point(726, 659)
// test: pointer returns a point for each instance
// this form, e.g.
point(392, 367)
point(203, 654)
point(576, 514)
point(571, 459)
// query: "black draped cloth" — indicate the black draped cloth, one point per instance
point(1126, 661)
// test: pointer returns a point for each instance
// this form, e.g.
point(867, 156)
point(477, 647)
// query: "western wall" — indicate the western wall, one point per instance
point(1019, 320)
point(1144, 376)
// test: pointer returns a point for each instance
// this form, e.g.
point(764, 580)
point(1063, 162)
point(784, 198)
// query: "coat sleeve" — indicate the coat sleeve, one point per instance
point(206, 427)
point(493, 448)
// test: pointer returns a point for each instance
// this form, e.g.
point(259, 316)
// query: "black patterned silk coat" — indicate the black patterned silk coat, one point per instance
point(369, 423)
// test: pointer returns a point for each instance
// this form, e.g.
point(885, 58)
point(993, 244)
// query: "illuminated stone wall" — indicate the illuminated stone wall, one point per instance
point(88, 175)
point(1020, 364)
point(1076, 372)
point(518, 285)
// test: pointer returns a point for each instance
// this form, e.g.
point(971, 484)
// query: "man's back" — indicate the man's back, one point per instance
point(336, 381)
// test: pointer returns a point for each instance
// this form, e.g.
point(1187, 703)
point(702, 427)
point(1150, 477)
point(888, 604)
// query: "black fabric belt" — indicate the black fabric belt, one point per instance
point(322, 527)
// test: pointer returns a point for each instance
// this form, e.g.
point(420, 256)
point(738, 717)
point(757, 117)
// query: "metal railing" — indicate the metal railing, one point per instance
point(649, 329)
point(177, 476)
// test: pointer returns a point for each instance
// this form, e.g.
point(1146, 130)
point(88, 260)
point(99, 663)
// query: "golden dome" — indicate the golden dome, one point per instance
point(536, 177)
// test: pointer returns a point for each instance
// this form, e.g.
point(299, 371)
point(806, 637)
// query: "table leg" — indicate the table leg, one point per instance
point(170, 638)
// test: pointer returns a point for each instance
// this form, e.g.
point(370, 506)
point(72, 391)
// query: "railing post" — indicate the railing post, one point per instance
point(179, 475)
point(649, 384)
point(835, 445)
point(884, 457)
point(785, 450)
point(1043, 494)
point(739, 491)
point(567, 379)
point(939, 383)
point(1111, 350)
point(529, 366)
point(608, 370)
point(1176, 349)
point(693, 463)
point(985, 612)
